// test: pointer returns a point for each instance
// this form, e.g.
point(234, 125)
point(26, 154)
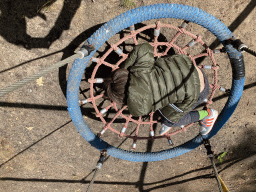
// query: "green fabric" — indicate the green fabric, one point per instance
point(203, 114)
point(154, 84)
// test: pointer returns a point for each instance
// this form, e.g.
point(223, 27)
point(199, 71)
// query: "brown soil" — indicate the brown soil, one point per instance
point(40, 148)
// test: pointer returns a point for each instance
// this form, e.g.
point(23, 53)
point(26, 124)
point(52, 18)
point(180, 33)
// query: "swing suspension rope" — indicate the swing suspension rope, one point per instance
point(133, 34)
point(80, 54)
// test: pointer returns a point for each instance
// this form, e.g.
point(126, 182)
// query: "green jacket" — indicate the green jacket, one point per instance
point(159, 84)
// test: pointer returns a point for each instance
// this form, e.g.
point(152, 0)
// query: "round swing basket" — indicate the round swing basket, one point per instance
point(130, 18)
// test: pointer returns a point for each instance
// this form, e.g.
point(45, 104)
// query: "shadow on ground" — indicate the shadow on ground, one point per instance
point(239, 154)
point(15, 32)
point(14, 27)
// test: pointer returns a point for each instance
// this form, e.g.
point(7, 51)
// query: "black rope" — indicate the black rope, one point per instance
point(240, 46)
point(93, 179)
point(103, 157)
point(208, 147)
point(249, 51)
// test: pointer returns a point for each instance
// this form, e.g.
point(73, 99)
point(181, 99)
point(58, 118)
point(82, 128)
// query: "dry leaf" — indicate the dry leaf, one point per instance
point(40, 81)
point(29, 128)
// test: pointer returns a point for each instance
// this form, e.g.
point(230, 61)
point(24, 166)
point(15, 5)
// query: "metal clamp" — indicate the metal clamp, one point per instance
point(103, 157)
point(237, 43)
point(86, 50)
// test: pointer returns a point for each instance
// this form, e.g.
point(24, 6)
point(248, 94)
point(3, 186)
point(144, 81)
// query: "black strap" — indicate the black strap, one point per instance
point(208, 147)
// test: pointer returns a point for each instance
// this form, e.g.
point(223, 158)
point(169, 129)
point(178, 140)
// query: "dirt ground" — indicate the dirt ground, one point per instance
point(40, 148)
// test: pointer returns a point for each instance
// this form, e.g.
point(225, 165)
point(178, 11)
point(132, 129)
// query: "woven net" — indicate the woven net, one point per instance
point(161, 49)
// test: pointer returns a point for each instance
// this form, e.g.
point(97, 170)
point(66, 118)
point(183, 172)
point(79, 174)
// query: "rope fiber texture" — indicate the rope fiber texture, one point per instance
point(41, 73)
point(249, 51)
point(157, 11)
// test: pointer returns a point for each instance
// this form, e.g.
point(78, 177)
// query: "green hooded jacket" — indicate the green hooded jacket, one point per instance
point(170, 84)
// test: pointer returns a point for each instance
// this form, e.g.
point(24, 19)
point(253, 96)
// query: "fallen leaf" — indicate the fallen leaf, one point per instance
point(40, 81)
point(29, 128)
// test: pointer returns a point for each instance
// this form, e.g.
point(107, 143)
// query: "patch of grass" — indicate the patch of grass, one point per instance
point(128, 4)
point(221, 156)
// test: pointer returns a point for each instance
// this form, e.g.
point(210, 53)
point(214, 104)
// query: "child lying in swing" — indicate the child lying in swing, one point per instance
point(172, 85)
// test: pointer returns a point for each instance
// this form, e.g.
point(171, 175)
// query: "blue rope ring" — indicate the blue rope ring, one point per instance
point(134, 16)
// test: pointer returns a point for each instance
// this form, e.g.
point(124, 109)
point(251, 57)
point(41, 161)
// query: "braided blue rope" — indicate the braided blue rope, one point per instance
point(125, 20)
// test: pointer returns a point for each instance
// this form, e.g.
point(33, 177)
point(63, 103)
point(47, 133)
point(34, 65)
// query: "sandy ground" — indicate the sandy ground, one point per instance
point(40, 148)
